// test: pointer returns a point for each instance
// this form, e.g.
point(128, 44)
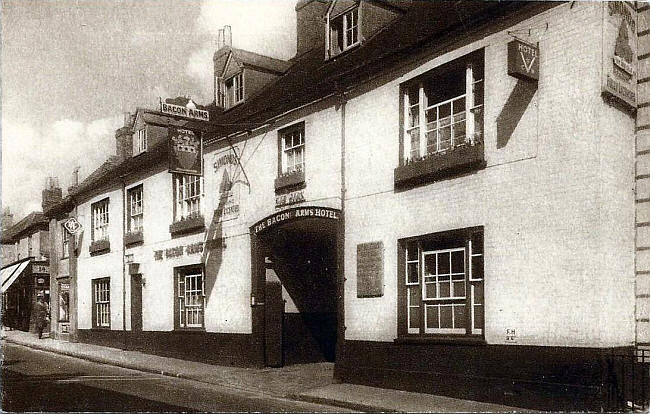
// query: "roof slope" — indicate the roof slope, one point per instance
point(35, 219)
point(311, 77)
point(254, 59)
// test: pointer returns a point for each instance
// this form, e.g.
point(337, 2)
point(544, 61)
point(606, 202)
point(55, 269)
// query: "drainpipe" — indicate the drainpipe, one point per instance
point(340, 317)
point(124, 335)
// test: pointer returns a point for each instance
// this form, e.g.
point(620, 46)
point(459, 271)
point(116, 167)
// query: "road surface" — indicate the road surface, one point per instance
point(34, 380)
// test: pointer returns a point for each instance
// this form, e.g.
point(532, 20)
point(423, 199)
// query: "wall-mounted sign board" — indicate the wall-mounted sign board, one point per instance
point(370, 270)
point(190, 111)
point(523, 60)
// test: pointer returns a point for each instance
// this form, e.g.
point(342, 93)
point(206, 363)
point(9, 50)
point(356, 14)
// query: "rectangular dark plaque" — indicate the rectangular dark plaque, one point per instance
point(370, 270)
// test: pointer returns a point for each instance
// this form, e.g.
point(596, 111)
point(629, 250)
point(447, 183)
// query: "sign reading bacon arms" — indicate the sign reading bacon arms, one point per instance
point(185, 151)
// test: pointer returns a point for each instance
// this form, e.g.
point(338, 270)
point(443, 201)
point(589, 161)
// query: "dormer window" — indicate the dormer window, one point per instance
point(234, 90)
point(343, 32)
point(220, 97)
point(140, 141)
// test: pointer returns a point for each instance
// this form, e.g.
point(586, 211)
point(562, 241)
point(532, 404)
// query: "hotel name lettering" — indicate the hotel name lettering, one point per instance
point(194, 248)
point(296, 213)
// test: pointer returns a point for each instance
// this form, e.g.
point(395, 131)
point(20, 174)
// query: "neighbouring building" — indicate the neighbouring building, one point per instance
point(440, 197)
point(25, 270)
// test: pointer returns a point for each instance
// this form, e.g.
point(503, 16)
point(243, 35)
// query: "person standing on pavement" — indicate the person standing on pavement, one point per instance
point(41, 314)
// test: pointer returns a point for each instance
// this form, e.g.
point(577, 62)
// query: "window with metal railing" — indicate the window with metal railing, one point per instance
point(190, 296)
point(101, 303)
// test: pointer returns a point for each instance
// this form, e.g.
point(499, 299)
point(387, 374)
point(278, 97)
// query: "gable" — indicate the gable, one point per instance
point(232, 67)
point(340, 6)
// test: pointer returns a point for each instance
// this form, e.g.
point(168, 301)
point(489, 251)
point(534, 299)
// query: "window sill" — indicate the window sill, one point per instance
point(290, 180)
point(133, 238)
point(101, 328)
point(194, 224)
point(441, 339)
point(333, 56)
point(190, 330)
point(437, 166)
point(99, 247)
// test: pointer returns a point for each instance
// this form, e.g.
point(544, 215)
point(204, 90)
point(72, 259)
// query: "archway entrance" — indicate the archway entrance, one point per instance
point(295, 271)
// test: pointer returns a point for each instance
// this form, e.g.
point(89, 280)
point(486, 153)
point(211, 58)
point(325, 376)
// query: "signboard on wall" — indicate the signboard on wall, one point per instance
point(523, 60)
point(370, 270)
point(228, 174)
point(619, 52)
point(185, 151)
point(41, 269)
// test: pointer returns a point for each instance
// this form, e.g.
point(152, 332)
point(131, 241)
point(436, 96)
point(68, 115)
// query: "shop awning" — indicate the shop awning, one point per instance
point(10, 273)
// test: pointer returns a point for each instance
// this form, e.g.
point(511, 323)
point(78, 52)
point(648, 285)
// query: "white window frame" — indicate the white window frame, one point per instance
point(102, 294)
point(191, 302)
point(65, 242)
point(419, 110)
point(100, 219)
point(289, 152)
point(220, 92)
point(188, 193)
point(136, 209)
point(350, 29)
point(472, 282)
point(140, 141)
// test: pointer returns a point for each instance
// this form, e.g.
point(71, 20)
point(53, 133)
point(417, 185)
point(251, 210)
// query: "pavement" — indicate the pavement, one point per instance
point(304, 382)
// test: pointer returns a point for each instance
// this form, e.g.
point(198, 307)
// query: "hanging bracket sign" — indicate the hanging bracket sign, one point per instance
point(185, 151)
point(523, 60)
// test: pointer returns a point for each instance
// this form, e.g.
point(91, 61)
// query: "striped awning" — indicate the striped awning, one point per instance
point(9, 274)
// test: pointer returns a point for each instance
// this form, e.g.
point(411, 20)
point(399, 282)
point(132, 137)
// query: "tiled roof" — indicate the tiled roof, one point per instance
point(254, 59)
point(35, 219)
point(425, 24)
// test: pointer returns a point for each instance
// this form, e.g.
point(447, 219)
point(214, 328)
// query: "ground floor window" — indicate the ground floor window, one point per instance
point(102, 303)
point(441, 284)
point(190, 297)
point(64, 301)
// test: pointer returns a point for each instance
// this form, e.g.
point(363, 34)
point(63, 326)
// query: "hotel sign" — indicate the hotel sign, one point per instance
point(185, 151)
point(523, 60)
point(190, 111)
point(295, 213)
point(619, 52)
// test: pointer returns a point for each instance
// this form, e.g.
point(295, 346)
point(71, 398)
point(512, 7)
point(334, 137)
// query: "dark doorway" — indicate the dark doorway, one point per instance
point(136, 303)
point(300, 270)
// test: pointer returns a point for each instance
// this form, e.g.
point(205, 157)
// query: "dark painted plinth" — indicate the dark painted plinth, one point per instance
point(210, 348)
point(546, 378)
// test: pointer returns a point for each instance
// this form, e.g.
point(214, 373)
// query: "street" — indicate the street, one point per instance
point(35, 380)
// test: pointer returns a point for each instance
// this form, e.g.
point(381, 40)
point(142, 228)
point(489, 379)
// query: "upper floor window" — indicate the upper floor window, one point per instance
point(443, 109)
point(441, 281)
point(220, 92)
point(140, 141)
point(187, 194)
point(99, 211)
point(65, 242)
point(292, 147)
point(343, 32)
point(29, 246)
point(135, 220)
point(235, 89)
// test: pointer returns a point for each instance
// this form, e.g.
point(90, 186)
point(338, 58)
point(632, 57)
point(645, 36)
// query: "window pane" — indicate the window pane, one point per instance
point(477, 243)
point(412, 273)
point(432, 316)
point(430, 290)
point(414, 116)
point(412, 251)
point(478, 293)
point(445, 288)
point(430, 264)
point(477, 267)
point(443, 263)
point(459, 316)
point(478, 317)
point(459, 288)
point(414, 317)
point(445, 317)
point(458, 261)
point(414, 295)
point(415, 142)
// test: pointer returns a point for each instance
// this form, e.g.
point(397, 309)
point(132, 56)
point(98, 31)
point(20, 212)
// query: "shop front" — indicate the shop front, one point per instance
point(22, 283)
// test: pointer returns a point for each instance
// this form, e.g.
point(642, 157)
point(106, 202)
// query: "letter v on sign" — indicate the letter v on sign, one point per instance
point(528, 66)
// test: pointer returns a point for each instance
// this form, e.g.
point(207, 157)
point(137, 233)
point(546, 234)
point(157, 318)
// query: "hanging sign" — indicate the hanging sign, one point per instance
point(619, 52)
point(72, 225)
point(227, 172)
point(185, 151)
point(523, 60)
point(190, 111)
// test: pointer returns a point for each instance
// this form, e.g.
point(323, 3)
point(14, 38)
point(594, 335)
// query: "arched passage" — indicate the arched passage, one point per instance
point(294, 278)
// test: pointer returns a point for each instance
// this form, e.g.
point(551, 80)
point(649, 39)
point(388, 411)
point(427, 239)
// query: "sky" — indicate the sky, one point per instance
point(71, 68)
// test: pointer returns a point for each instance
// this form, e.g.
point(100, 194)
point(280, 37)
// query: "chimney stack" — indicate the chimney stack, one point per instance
point(75, 180)
point(224, 37)
point(124, 138)
point(52, 193)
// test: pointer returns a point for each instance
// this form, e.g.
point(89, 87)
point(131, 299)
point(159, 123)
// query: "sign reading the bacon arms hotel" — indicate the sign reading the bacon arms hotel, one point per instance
point(185, 152)
point(619, 52)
